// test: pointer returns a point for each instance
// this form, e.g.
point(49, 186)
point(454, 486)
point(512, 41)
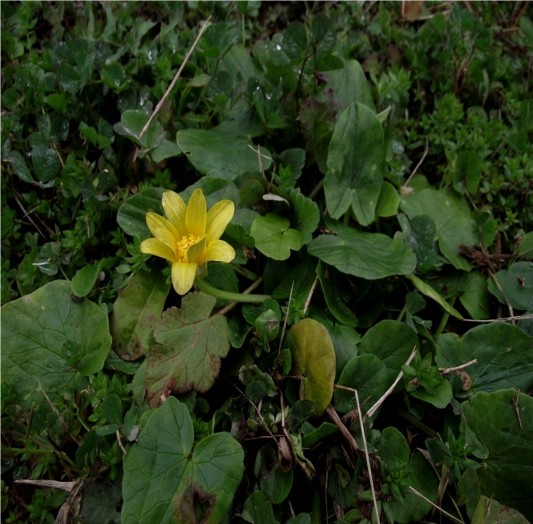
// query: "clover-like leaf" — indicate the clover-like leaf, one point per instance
point(191, 344)
point(314, 361)
point(274, 237)
point(50, 341)
point(167, 480)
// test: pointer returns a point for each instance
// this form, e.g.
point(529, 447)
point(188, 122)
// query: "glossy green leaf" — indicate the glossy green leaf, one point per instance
point(367, 255)
point(474, 296)
point(498, 428)
point(350, 85)
point(355, 162)
point(392, 342)
point(295, 41)
point(136, 312)
point(46, 163)
point(432, 293)
point(131, 216)
point(132, 122)
point(274, 237)
point(307, 215)
point(168, 479)
point(420, 234)
point(313, 361)
point(516, 283)
point(275, 483)
point(453, 219)
point(388, 201)
point(503, 354)
point(258, 509)
point(85, 279)
point(525, 249)
point(216, 153)
point(336, 294)
point(191, 344)
point(50, 341)
point(369, 376)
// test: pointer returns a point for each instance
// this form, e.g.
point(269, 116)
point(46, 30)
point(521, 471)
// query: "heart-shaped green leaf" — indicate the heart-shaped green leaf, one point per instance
point(314, 361)
point(167, 480)
point(49, 341)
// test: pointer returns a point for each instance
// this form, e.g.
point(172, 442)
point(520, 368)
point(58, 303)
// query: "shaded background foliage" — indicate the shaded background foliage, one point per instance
point(450, 84)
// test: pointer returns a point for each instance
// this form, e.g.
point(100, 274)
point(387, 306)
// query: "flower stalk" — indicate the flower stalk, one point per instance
point(203, 286)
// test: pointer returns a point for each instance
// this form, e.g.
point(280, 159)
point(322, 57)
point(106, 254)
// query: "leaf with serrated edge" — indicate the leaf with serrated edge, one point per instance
point(191, 344)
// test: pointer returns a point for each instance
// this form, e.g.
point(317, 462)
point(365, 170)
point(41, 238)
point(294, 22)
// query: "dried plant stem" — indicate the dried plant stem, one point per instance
point(310, 296)
point(55, 484)
point(528, 316)
point(342, 428)
point(413, 173)
point(438, 508)
point(445, 371)
point(367, 457)
point(159, 105)
point(380, 401)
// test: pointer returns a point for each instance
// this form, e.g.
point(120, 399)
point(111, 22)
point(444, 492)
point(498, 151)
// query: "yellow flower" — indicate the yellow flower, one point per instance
point(189, 236)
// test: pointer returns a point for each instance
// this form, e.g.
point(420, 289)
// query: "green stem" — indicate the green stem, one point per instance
point(202, 285)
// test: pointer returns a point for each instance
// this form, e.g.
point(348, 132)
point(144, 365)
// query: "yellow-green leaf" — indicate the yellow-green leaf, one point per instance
point(313, 360)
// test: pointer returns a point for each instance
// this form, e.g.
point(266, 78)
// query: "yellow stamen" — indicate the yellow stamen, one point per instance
point(183, 245)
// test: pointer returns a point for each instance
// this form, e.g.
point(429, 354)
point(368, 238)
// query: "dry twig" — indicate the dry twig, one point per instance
point(159, 105)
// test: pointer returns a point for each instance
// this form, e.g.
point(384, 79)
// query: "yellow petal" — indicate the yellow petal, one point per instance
point(196, 216)
point(195, 253)
point(183, 276)
point(153, 246)
point(175, 209)
point(218, 217)
point(219, 251)
point(157, 224)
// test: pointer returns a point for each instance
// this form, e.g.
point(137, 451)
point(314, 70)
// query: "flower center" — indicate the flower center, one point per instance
point(183, 245)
